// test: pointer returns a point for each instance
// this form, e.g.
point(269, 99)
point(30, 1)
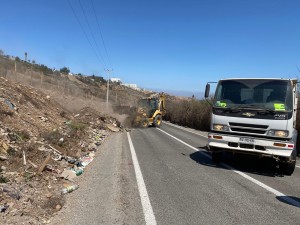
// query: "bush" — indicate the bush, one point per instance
point(190, 113)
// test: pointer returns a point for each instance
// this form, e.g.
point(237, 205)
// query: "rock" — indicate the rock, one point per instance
point(58, 207)
point(3, 158)
point(3, 168)
point(13, 212)
point(48, 195)
point(113, 128)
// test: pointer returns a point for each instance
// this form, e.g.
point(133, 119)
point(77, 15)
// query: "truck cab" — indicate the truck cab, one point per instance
point(255, 116)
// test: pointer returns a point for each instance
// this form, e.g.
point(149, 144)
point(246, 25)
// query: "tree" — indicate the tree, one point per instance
point(65, 70)
point(1, 52)
point(33, 61)
point(25, 56)
point(17, 59)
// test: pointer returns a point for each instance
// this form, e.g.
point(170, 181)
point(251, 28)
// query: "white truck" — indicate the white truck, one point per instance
point(255, 116)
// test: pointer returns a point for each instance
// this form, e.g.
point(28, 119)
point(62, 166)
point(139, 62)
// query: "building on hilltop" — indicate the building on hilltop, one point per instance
point(132, 86)
point(115, 80)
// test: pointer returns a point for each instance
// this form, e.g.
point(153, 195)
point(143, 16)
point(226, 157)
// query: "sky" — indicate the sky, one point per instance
point(170, 45)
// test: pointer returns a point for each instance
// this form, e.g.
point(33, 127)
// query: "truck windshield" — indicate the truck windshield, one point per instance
point(250, 93)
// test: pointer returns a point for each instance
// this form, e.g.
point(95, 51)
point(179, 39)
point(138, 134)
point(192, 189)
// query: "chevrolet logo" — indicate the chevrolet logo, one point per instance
point(248, 114)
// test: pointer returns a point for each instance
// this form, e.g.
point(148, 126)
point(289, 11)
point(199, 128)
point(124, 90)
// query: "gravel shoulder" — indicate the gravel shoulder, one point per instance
point(108, 192)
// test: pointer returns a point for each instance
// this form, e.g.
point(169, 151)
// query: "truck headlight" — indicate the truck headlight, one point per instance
point(278, 133)
point(220, 127)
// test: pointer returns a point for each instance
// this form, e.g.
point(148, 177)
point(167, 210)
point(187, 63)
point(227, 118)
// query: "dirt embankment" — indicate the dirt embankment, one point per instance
point(42, 148)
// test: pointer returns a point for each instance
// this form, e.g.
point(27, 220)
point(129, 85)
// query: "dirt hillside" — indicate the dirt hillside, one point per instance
point(42, 148)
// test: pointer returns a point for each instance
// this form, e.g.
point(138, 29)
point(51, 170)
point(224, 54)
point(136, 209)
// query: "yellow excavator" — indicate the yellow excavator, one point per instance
point(150, 111)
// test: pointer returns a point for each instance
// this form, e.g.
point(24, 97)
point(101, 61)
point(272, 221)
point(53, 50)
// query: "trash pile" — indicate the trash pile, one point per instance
point(42, 150)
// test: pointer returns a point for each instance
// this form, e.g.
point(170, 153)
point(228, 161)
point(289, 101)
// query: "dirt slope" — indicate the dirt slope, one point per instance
point(38, 141)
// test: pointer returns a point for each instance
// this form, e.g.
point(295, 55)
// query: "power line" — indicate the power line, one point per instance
point(106, 52)
point(91, 31)
point(86, 36)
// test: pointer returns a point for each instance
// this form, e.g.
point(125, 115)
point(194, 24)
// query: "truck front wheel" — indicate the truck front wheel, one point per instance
point(216, 155)
point(287, 168)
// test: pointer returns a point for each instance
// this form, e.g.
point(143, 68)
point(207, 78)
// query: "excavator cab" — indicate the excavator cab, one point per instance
point(150, 111)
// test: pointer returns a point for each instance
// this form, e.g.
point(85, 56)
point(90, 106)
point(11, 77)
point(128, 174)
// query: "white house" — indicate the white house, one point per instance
point(115, 80)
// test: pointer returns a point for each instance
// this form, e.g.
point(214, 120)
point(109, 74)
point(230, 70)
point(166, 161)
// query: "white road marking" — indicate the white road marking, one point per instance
point(268, 188)
point(182, 128)
point(298, 166)
point(147, 208)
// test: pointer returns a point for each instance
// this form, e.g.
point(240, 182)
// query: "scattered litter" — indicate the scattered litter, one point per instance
point(68, 175)
point(24, 159)
point(77, 171)
point(42, 167)
point(35, 166)
point(12, 192)
point(10, 105)
point(69, 189)
point(52, 169)
point(86, 160)
point(3, 208)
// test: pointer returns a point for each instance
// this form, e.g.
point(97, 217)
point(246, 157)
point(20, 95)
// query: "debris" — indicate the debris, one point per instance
point(42, 167)
point(58, 207)
point(52, 169)
point(55, 149)
point(4, 148)
point(86, 160)
point(69, 189)
point(48, 195)
point(10, 105)
point(35, 166)
point(24, 158)
point(3, 158)
point(77, 171)
point(68, 174)
point(3, 208)
point(12, 192)
point(113, 128)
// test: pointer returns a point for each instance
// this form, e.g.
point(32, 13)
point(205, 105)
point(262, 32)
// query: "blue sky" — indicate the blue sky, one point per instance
point(162, 44)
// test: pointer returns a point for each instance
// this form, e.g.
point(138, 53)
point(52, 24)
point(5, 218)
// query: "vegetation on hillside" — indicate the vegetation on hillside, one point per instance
point(191, 113)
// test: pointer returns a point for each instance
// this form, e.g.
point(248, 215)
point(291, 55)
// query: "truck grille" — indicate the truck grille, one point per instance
point(248, 128)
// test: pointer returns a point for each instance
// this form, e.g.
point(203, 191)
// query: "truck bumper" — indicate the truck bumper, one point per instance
point(250, 145)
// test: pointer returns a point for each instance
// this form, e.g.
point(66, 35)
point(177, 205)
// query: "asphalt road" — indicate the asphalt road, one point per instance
point(186, 187)
point(165, 176)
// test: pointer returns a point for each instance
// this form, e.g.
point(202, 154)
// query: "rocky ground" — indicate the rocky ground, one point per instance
point(42, 149)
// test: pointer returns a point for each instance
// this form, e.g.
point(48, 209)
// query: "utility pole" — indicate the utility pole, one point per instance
point(107, 91)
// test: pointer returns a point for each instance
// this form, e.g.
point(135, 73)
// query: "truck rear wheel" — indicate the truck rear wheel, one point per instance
point(157, 121)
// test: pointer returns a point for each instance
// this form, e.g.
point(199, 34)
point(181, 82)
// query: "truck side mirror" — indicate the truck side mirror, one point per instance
point(207, 89)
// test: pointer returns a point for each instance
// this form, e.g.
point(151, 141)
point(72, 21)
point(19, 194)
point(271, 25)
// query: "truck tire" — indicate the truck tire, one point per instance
point(287, 168)
point(216, 155)
point(144, 123)
point(157, 121)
